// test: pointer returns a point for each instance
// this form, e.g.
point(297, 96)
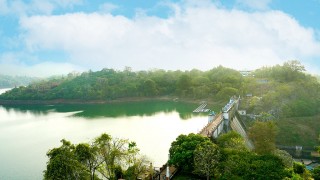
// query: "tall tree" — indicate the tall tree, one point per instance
point(263, 135)
point(112, 152)
point(88, 156)
point(206, 158)
point(231, 140)
point(182, 151)
point(63, 164)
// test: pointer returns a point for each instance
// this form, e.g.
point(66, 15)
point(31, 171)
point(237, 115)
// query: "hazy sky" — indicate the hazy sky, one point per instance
point(41, 38)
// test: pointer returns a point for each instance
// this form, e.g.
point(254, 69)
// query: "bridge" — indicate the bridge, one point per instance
point(226, 121)
point(223, 122)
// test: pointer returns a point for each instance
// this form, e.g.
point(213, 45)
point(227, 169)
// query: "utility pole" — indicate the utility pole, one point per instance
point(168, 169)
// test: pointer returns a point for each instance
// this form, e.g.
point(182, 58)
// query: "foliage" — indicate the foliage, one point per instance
point(284, 91)
point(316, 173)
point(229, 160)
point(88, 156)
point(112, 158)
point(109, 84)
point(248, 165)
point(298, 168)
point(206, 158)
point(298, 131)
point(137, 167)
point(231, 140)
point(285, 157)
point(63, 164)
point(263, 136)
point(182, 151)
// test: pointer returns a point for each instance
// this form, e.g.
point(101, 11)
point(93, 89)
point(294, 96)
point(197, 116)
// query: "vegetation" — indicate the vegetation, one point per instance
point(263, 136)
point(181, 151)
point(228, 158)
point(105, 157)
point(283, 91)
point(109, 84)
point(206, 158)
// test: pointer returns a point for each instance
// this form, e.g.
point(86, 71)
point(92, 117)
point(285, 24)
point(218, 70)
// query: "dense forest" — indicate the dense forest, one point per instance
point(15, 81)
point(109, 84)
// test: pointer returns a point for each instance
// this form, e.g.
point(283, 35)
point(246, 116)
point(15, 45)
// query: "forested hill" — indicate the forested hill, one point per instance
point(281, 90)
point(15, 81)
point(109, 84)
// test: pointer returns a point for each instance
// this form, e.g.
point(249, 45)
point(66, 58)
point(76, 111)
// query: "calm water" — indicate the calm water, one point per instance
point(28, 132)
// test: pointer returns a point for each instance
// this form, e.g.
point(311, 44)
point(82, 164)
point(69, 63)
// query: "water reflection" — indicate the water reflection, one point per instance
point(147, 108)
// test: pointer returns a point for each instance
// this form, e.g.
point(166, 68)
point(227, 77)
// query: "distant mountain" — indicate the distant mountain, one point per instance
point(15, 81)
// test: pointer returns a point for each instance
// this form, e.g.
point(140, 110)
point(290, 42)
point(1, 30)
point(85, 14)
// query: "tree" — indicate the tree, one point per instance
point(285, 157)
point(294, 65)
point(298, 168)
point(111, 157)
point(316, 173)
point(227, 92)
point(206, 158)
point(63, 164)
point(138, 167)
point(88, 156)
point(263, 136)
point(231, 140)
point(149, 88)
point(182, 151)
point(183, 85)
point(248, 165)
point(112, 152)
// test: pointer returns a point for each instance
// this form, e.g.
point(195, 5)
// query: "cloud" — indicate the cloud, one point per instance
point(43, 69)
point(25, 8)
point(3, 7)
point(11, 64)
point(108, 7)
point(254, 4)
point(197, 35)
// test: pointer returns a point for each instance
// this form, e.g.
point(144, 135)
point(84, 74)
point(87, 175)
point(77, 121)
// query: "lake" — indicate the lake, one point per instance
point(28, 132)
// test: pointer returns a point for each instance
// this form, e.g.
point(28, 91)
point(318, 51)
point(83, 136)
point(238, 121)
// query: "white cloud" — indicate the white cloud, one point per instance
point(11, 64)
point(196, 36)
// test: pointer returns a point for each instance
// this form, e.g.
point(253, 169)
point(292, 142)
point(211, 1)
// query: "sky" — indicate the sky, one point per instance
point(53, 37)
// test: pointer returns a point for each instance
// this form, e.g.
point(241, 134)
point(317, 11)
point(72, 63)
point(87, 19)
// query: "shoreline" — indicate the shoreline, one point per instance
point(82, 101)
